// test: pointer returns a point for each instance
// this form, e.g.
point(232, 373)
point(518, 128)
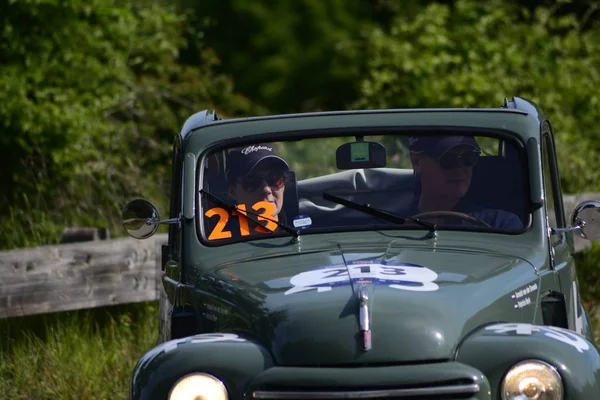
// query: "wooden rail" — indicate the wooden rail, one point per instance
point(100, 273)
point(79, 275)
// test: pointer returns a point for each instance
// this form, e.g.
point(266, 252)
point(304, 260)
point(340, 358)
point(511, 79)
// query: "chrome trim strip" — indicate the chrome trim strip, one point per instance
point(472, 388)
point(365, 329)
point(363, 301)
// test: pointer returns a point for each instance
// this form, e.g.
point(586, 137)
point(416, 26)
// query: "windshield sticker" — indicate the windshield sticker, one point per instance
point(560, 334)
point(302, 222)
point(400, 276)
point(264, 209)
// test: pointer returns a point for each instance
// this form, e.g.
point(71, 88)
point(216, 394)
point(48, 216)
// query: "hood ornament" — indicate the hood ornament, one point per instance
point(365, 330)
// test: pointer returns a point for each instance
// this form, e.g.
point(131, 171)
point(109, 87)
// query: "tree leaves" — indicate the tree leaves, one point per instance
point(92, 94)
point(93, 91)
point(475, 54)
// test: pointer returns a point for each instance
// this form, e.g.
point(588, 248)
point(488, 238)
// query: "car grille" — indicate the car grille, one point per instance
point(446, 392)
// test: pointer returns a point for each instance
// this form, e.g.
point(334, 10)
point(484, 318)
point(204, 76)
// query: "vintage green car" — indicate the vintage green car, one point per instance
point(373, 254)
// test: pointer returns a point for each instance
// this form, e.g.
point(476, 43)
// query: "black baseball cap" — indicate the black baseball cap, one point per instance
point(435, 146)
point(242, 160)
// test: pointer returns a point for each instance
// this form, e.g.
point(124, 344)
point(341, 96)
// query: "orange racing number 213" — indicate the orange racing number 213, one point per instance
point(264, 210)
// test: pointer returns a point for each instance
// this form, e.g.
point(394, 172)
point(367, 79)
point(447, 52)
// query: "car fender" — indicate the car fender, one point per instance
point(231, 358)
point(495, 348)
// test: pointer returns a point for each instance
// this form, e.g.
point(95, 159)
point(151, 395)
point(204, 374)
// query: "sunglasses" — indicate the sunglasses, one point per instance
point(276, 180)
point(457, 160)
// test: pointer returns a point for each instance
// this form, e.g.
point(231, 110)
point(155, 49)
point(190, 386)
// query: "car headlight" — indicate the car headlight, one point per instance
point(198, 386)
point(532, 380)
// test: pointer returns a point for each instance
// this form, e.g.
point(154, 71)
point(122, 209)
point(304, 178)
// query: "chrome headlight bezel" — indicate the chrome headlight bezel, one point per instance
point(199, 384)
point(526, 376)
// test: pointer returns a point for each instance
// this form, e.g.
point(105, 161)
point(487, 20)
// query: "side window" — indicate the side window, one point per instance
point(175, 200)
point(552, 192)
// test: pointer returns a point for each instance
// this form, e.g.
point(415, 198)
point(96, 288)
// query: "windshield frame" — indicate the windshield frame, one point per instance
point(349, 132)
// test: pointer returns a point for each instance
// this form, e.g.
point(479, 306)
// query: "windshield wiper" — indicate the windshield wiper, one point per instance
point(376, 212)
point(246, 213)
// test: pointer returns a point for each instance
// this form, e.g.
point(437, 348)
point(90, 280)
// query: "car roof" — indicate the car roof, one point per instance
point(518, 116)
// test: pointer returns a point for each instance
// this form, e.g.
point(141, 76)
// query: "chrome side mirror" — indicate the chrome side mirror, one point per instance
point(587, 216)
point(140, 219)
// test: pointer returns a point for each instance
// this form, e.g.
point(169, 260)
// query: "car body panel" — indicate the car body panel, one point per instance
point(162, 367)
point(428, 317)
point(505, 344)
point(518, 123)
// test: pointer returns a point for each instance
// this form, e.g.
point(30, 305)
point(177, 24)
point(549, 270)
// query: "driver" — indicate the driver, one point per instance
point(255, 173)
point(444, 166)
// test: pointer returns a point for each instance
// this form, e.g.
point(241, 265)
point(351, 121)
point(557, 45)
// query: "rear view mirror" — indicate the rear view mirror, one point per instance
point(587, 217)
point(360, 154)
point(140, 219)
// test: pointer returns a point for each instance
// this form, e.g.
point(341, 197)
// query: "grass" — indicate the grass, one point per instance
point(86, 354)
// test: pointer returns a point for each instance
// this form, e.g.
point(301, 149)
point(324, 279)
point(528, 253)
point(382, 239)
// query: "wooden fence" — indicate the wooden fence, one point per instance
point(79, 275)
point(100, 273)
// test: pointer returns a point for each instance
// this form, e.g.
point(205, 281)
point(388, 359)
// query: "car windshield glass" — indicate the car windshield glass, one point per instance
point(417, 180)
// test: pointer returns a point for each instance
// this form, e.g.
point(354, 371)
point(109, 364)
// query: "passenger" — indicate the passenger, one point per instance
point(444, 167)
point(255, 173)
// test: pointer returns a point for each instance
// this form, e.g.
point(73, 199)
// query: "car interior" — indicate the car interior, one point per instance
point(498, 182)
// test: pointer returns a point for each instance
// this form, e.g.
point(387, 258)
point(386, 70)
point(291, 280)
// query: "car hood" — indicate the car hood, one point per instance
point(421, 302)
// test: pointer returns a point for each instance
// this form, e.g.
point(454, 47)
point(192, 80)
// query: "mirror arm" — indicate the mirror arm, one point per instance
point(171, 221)
point(580, 225)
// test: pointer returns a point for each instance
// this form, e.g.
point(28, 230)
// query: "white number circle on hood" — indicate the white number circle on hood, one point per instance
point(399, 276)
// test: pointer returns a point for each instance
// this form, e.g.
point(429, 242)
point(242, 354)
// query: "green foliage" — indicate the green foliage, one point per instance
point(289, 56)
point(92, 96)
point(86, 354)
point(92, 91)
point(588, 276)
point(28, 226)
point(474, 54)
point(588, 271)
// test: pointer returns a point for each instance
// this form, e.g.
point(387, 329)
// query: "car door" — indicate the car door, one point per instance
point(560, 243)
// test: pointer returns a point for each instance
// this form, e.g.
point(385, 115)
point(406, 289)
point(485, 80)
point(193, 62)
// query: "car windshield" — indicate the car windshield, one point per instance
point(418, 180)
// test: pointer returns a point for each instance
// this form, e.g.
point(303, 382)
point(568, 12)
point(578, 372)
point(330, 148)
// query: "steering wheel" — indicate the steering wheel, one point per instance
point(452, 214)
